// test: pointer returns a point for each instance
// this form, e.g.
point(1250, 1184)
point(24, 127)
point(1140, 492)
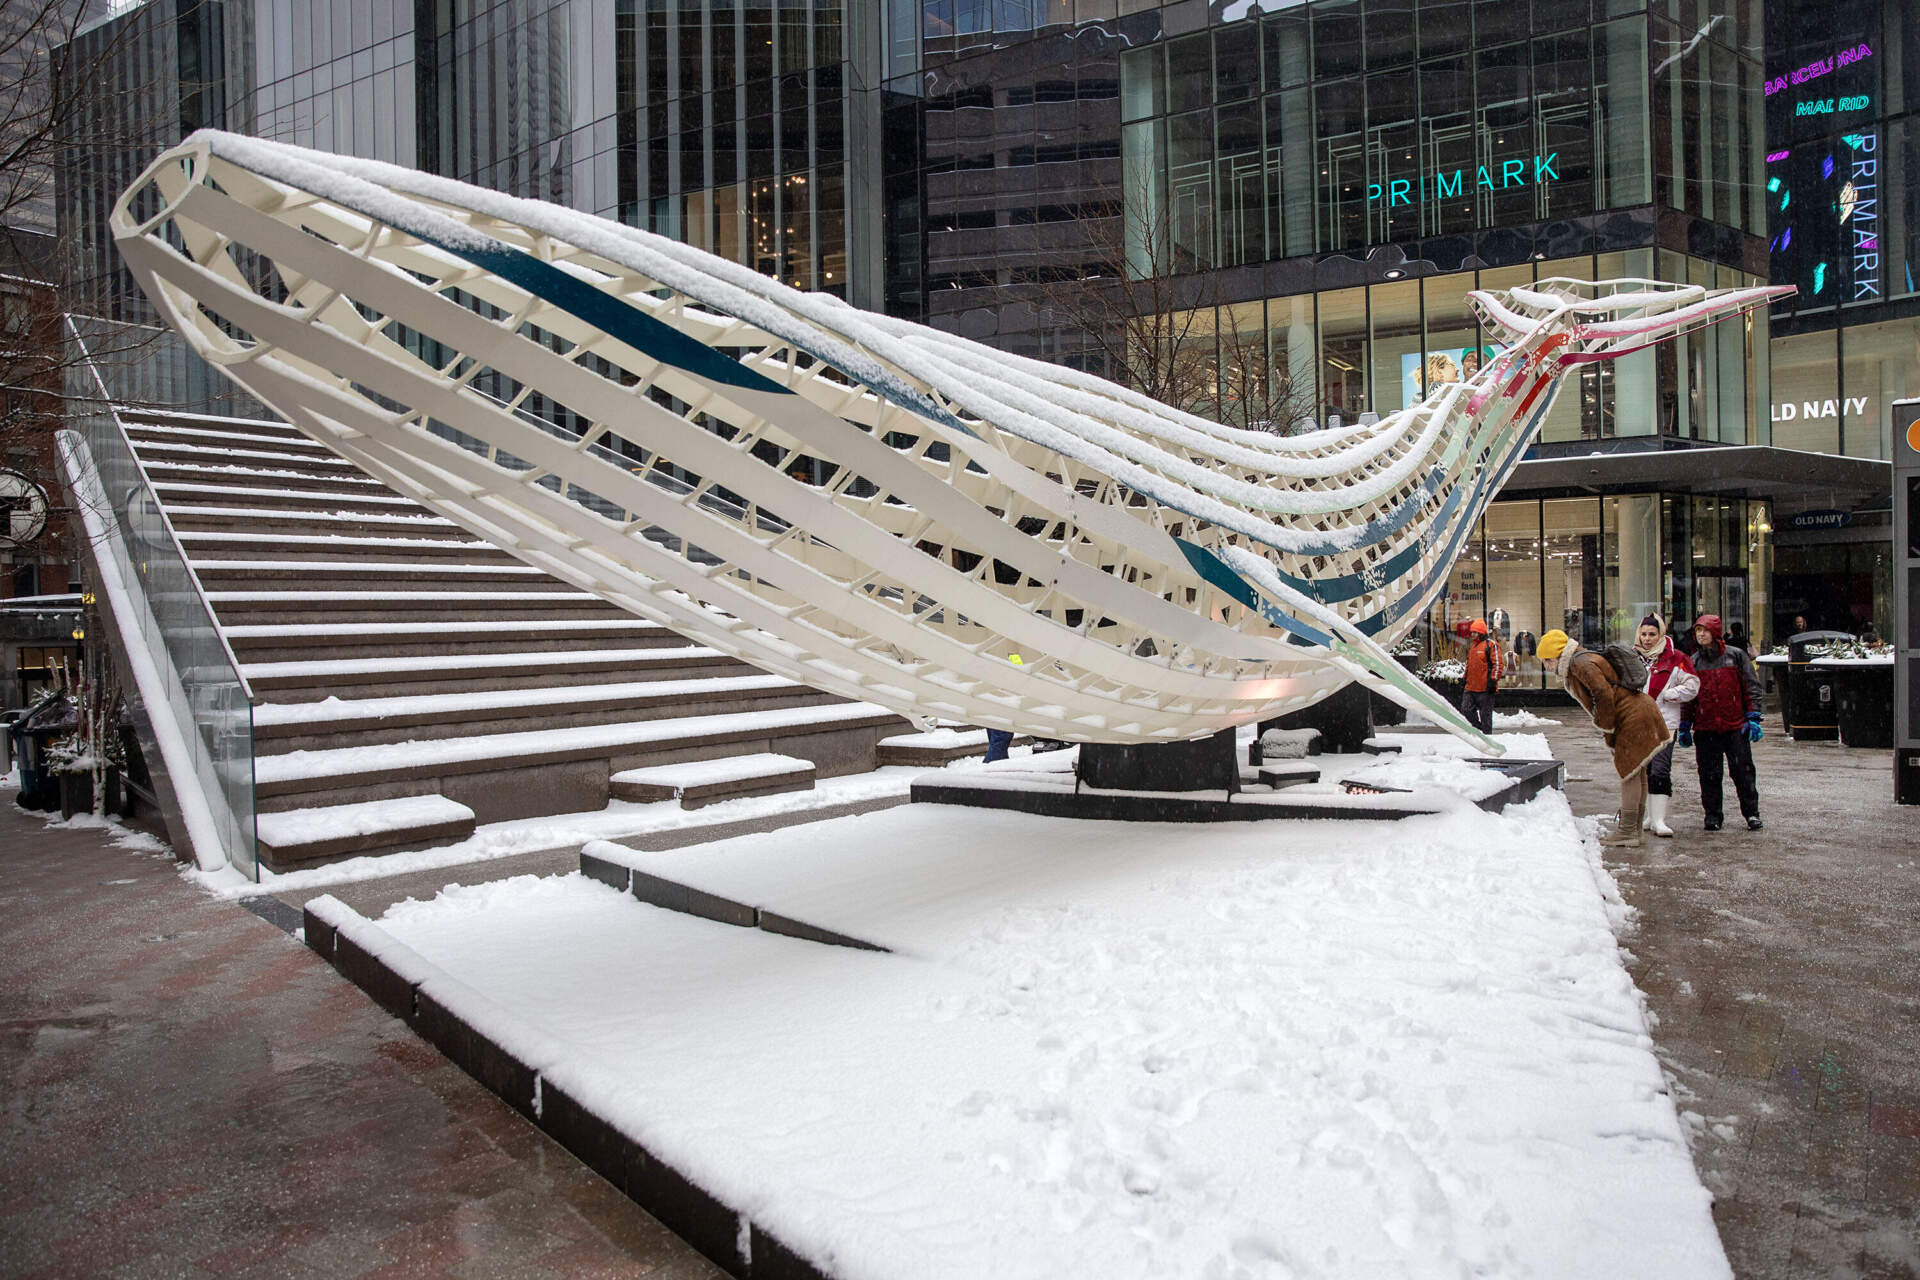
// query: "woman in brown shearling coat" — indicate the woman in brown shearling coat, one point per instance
point(1628, 719)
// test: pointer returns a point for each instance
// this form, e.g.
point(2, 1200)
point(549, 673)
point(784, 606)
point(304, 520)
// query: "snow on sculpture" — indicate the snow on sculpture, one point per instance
point(860, 503)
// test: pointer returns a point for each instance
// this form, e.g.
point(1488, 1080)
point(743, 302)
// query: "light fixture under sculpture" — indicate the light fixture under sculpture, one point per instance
point(860, 503)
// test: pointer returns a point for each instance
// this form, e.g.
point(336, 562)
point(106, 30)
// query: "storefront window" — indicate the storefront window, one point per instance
point(1343, 354)
point(1514, 605)
point(1465, 599)
point(1396, 346)
point(1291, 335)
point(1631, 588)
point(1880, 364)
point(1570, 568)
point(1452, 336)
point(1805, 413)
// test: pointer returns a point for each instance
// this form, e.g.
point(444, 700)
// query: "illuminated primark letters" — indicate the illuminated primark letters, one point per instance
point(1859, 207)
point(1538, 171)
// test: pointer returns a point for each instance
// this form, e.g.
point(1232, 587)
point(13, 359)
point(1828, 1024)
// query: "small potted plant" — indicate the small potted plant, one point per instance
point(1446, 677)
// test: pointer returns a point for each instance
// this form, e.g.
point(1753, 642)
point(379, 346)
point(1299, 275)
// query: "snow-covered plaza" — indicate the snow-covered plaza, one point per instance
point(1091, 1048)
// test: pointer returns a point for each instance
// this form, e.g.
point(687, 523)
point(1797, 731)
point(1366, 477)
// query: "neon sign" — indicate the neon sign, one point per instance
point(1859, 207)
point(1510, 173)
point(1825, 66)
point(1827, 106)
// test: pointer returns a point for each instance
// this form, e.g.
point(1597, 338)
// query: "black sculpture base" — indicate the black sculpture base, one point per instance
point(1204, 764)
point(1345, 720)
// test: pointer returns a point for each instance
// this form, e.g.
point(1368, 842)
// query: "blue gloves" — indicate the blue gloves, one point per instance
point(1685, 736)
point(1753, 726)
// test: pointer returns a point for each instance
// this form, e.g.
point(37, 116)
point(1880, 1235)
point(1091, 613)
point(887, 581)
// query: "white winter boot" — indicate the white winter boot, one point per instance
point(1657, 816)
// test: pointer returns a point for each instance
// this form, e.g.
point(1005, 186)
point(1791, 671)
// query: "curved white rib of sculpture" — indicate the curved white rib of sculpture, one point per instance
point(860, 503)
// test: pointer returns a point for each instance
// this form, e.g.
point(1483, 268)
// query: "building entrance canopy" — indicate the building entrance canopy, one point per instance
point(866, 505)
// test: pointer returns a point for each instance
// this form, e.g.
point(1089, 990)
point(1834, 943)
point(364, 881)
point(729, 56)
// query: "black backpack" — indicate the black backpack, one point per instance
point(1629, 668)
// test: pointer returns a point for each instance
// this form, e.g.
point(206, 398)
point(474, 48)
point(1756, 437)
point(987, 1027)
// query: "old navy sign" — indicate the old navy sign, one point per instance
point(1536, 171)
point(1826, 519)
point(1814, 410)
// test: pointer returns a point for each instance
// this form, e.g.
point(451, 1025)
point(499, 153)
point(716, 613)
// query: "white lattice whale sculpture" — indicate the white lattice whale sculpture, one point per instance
point(869, 506)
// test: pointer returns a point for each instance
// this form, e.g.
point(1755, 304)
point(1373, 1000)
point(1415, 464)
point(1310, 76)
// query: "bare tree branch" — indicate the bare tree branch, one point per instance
point(1157, 321)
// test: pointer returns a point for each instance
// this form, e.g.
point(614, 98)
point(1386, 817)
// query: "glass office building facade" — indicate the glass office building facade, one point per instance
point(1310, 187)
point(1842, 193)
point(1325, 182)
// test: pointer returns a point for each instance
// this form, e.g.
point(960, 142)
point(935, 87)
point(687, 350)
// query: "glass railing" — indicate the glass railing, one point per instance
point(206, 696)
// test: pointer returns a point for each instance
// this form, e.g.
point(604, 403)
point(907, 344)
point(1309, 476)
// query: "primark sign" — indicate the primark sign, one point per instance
point(1534, 171)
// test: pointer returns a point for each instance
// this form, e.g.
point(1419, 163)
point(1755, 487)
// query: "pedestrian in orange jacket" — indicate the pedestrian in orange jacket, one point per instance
point(1484, 669)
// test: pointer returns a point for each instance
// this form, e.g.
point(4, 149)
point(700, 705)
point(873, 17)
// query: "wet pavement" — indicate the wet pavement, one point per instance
point(189, 1092)
point(1784, 969)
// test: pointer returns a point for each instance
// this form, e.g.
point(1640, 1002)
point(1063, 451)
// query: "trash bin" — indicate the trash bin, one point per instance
point(1807, 702)
point(52, 717)
point(1864, 693)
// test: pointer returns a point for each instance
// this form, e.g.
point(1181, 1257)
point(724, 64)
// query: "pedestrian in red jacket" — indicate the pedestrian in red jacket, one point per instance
point(1484, 669)
point(1723, 722)
point(1671, 684)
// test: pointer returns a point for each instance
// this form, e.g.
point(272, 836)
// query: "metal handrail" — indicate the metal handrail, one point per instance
point(206, 701)
point(166, 522)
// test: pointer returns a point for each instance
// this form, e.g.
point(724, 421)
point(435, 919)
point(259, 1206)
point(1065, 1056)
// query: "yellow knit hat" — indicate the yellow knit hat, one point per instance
point(1552, 645)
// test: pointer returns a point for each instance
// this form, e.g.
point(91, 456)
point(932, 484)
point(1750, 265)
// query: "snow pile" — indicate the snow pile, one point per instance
point(374, 817)
point(1521, 719)
point(694, 773)
point(1125, 1050)
point(1520, 746)
point(1287, 744)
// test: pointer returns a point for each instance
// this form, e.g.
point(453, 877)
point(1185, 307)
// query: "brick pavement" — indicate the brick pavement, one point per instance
point(1784, 968)
point(190, 1092)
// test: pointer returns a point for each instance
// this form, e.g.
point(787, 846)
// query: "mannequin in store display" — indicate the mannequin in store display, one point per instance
point(1627, 718)
point(1671, 683)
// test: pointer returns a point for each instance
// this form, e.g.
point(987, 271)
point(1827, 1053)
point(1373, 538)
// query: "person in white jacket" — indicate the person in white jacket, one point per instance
point(1671, 683)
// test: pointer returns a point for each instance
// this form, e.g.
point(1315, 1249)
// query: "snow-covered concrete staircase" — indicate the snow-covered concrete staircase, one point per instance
point(411, 682)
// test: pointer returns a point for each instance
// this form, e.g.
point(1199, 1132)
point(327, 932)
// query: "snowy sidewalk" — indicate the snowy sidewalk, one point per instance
point(191, 1092)
point(1784, 969)
point(1125, 1050)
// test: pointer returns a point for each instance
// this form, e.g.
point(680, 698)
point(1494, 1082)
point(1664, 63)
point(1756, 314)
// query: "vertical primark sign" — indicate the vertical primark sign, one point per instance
point(1859, 210)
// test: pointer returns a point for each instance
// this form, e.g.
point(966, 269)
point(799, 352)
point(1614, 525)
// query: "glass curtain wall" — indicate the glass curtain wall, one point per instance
point(1402, 121)
point(1379, 348)
point(731, 121)
point(1593, 567)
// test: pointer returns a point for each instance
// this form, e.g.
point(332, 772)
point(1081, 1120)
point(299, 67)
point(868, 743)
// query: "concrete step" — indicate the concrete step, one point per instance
point(295, 838)
point(936, 748)
point(166, 452)
point(295, 576)
point(547, 771)
point(311, 680)
point(209, 421)
point(339, 548)
point(311, 641)
point(145, 433)
point(293, 607)
point(255, 521)
point(267, 482)
point(179, 495)
point(697, 784)
point(310, 726)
